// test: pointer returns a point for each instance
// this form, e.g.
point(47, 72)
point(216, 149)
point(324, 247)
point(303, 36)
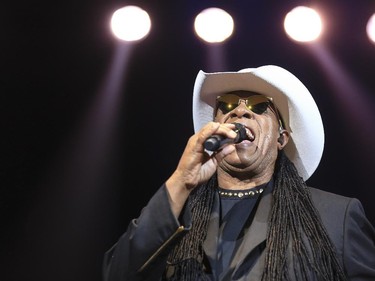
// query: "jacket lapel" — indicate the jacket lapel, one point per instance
point(249, 248)
point(257, 231)
point(253, 237)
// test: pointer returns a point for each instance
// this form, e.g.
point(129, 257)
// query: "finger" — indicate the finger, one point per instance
point(213, 128)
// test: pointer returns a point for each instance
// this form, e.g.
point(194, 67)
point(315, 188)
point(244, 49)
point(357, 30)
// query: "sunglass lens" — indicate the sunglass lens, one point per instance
point(225, 107)
point(259, 108)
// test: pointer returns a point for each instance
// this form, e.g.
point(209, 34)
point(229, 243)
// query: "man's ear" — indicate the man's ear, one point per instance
point(283, 139)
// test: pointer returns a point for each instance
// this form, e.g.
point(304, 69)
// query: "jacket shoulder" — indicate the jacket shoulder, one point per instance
point(333, 210)
point(327, 200)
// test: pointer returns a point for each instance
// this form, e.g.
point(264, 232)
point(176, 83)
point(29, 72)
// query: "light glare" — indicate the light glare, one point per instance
point(130, 23)
point(370, 28)
point(214, 25)
point(303, 24)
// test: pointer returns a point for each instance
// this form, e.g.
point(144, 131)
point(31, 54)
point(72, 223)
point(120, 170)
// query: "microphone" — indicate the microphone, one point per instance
point(215, 142)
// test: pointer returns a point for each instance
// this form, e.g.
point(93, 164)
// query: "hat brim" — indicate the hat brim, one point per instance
point(293, 100)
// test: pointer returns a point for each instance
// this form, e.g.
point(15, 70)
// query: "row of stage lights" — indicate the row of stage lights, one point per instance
point(214, 25)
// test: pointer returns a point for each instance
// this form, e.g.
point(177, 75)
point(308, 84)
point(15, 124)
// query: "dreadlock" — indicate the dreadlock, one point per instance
point(186, 259)
point(295, 219)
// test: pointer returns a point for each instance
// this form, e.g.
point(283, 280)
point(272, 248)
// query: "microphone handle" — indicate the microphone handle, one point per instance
point(215, 142)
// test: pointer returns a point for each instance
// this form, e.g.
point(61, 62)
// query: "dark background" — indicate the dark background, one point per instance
point(77, 168)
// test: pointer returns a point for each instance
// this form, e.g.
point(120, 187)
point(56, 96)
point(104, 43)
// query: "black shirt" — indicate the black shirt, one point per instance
point(237, 210)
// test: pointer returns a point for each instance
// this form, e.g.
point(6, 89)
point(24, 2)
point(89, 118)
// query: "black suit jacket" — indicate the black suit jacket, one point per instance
point(141, 253)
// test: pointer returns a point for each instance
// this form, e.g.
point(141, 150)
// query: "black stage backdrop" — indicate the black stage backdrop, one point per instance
point(91, 128)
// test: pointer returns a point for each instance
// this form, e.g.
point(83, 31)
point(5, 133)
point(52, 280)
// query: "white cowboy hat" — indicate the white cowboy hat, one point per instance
point(293, 100)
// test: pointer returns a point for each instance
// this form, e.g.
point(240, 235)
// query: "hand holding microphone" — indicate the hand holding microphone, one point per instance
point(215, 142)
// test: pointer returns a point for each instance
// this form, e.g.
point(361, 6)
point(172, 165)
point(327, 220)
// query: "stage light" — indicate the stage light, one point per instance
point(213, 25)
point(130, 23)
point(370, 28)
point(303, 24)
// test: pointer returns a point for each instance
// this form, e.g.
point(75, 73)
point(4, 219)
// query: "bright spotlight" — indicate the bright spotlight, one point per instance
point(370, 28)
point(303, 24)
point(213, 25)
point(130, 23)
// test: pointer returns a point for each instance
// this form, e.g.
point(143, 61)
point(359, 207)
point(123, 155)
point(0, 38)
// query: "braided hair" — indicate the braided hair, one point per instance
point(293, 219)
point(185, 262)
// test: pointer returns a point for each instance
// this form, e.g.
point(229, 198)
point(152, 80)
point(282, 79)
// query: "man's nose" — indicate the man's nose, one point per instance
point(242, 111)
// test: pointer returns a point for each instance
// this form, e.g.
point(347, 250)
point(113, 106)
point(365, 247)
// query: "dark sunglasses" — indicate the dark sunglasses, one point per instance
point(256, 103)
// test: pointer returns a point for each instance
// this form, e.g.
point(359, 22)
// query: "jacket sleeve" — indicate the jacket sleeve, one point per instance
point(359, 244)
point(141, 252)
